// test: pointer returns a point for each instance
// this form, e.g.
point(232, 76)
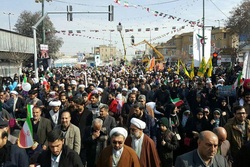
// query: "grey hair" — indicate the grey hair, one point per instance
point(98, 121)
point(105, 106)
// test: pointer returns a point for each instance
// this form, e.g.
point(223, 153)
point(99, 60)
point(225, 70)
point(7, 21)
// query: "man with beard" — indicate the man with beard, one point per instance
point(204, 155)
point(54, 115)
point(139, 112)
point(70, 132)
point(118, 154)
point(127, 107)
point(144, 147)
point(58, 153)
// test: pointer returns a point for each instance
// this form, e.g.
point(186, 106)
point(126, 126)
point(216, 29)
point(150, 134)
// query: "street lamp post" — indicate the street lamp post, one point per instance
point(9, 19)
point(119, 28)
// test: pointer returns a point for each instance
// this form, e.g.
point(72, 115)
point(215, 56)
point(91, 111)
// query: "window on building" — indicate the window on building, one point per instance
point(225, 35)
point(213, 37)
point(191, 38)
point(190, 49)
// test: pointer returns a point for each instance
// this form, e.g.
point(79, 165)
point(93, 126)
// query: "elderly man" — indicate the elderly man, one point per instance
point(238, 130)
point(117, 154)
point(224, 145)
point(11, 154)
point(94, 140)
point(70, 131)
point(54, 114)
point(204, 155)
point(144, 147)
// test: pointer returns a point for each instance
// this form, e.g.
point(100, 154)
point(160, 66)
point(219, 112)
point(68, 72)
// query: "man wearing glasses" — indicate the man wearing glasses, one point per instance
point(117, 154)
point(238, 130)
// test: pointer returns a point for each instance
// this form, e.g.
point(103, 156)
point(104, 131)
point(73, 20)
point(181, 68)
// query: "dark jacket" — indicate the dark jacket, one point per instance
point(69, 158)
point(14, 156)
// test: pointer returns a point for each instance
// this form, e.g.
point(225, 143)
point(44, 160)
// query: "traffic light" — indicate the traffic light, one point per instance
point(69, 13)
point(214, 60)
point(111, 13)
point(132, 40)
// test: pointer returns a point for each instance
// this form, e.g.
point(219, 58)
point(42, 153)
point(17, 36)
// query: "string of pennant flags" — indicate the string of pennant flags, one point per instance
point(161, 14)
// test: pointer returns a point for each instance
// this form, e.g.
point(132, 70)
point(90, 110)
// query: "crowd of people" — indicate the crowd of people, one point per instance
point(125, 116)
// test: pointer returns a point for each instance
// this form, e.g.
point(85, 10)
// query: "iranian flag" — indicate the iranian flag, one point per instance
point(238, 82)
point(177, 102)
point(26, 134)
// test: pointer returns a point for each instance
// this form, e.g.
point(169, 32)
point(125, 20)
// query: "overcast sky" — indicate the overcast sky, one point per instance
point(140, 14)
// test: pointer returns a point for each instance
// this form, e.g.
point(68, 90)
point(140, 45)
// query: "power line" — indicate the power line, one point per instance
point(218, 8)
point(81, 4)
point(160, 3)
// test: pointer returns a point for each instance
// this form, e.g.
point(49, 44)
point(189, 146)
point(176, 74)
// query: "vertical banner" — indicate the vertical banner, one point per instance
point(198, 40)
point(246, 68)
point(44, 51)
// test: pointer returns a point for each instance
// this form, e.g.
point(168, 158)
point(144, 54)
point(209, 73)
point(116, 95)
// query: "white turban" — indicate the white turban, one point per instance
point(13, 92)
point(138, 123)
point(56, 103)
point(120, 130)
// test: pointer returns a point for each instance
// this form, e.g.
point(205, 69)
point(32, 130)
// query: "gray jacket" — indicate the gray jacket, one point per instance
point(192, 159)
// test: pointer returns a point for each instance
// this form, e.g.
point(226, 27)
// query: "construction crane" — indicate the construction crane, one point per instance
point(160, 57)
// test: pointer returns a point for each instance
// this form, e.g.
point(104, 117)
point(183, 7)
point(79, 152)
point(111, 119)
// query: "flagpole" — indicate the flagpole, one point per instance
point(203, 30)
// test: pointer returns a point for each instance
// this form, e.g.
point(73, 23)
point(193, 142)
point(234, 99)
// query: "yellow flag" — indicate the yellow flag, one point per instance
point(192, 70)
point(202, 68)
point(184, 69)
point(209, 67)
point(178, 67)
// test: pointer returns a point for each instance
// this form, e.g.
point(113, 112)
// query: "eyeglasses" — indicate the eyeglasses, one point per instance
point(241, 113)
point(141, 101)
point(117, 142)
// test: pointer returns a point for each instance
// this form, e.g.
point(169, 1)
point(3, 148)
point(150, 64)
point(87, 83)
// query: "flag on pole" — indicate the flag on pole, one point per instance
point(202, 68)
point(192, 70)
point(209, 67)
point(184, 69)
point(24, 79)
point(239, 81)
point(151, 64)
point(178, 67)
point(26, 134)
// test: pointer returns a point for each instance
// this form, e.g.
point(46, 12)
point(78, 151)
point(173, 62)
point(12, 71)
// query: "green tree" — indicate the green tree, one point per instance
point(239, 21)
point(24, 26)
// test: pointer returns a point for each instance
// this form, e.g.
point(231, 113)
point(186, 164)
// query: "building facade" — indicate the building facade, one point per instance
point(106, 53)
point(181, 46)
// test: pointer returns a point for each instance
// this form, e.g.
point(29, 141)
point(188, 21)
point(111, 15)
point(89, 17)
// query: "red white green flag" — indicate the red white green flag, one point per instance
point(26, 134)
point(177, 102)
point(238, 82)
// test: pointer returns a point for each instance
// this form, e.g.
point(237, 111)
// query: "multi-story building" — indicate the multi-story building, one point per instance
point(181, 46)
point(106, 53)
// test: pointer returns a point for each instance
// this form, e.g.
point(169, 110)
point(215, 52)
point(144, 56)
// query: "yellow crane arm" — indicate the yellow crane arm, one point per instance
point(160, 56)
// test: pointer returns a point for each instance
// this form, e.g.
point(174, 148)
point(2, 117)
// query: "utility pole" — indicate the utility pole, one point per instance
point(203, 30)
point(43, 29)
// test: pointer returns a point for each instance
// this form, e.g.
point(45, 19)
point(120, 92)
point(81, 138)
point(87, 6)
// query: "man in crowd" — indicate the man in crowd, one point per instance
point(58, 153)
point(224, 145)
point(11, 154)
point(94, 140)
point(108, 121)
point(70, 132)
point(54, 115)
point(204, 155)
point(118, 154)
point(139, 112)
point(238, 130)
point(41, 127)
point(144, 147)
